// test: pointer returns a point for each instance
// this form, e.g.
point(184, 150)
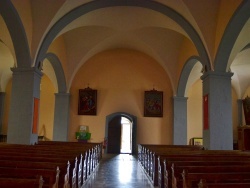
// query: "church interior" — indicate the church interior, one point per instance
point(125, 74)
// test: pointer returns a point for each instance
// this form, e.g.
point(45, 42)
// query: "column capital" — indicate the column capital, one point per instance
point(218, 74)
point(18, 70)
point(62, 94)
point(178, 98)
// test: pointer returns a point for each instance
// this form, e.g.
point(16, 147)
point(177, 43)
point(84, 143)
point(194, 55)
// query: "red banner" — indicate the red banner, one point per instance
point(205, 112)
point(35, 115)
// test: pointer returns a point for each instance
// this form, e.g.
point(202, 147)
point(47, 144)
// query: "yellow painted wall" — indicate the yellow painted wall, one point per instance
point(194, 111)
point(120, 77)
point(47, 106)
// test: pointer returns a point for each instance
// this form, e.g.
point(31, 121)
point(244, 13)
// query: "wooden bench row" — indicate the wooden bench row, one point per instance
point(17, 182)
point(89, 163)
point(90, 160)
point(148, 157)
point(204, 184)
point(57, 164)
point(196, 168)
point(87, 166)
point(172, 169)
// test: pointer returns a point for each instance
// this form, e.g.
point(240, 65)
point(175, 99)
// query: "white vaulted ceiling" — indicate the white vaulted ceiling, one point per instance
point(132, 27)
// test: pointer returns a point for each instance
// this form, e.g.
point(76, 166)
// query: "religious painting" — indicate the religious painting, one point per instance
point(246, 108)
point(87, 102)
point(153, 103)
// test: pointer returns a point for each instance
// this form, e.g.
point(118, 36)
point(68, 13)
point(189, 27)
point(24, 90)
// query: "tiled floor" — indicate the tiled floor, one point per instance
point(118, 171)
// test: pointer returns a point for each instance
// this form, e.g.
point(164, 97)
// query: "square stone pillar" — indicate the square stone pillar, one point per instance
point(180, 121)
point(218, 132)
point(61, 117)
point(25, 88)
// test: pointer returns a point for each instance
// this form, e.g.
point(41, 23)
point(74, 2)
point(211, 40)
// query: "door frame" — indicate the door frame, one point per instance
point(133, 120)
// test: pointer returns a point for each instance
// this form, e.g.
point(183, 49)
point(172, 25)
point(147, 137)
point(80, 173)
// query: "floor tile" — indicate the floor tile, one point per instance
point(118, 171)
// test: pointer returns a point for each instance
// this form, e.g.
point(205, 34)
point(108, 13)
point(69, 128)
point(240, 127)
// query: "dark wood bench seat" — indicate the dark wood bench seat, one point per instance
point(50, 177)
point(147, 157)
point(63, 167)
point(152, 159)
point(73, 148)
point(191, 180)
point(228, 157)
point(76, 161)
point(41, 164)
point(166, 175)
point(36, 164)
point(177, 171)
point(21, 182)
point(204, 184)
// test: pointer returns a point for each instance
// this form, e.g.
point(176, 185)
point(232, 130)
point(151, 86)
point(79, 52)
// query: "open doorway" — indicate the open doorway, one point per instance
point(126, 135)
point(120, 133)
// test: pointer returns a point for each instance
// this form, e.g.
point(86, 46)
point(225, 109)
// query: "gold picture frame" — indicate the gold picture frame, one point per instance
point(87, 103)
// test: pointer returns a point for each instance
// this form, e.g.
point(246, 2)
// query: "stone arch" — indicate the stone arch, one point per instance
point(232, 31)
point(247, 47)
point(57, 66)
point(185, 74)
point(94, 5)
point(17, 33)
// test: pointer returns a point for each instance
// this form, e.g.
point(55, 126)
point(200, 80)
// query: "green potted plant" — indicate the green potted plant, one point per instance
point(83, 136)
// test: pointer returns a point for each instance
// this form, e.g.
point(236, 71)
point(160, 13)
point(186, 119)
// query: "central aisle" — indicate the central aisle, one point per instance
point(118, 171)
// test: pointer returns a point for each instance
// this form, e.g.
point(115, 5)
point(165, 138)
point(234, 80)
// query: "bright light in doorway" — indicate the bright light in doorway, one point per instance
point(126, 136)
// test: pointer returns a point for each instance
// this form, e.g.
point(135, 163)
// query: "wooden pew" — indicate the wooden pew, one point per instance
point(177, 171)
point(77, 147)
point(90, 162)
point(150, 163)
point(207, 158)
point(192, 179)
point(46, 154)
point(49, 176)
point(92, 158)
point(145, 149)
point(148, 157)
point(17, 182)
point(92, 155)
point(204, 184)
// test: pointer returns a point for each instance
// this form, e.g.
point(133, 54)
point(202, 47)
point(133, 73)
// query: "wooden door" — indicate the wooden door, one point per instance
point(114, 135)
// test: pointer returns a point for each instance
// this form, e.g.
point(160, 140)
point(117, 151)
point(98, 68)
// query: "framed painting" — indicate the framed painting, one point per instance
point(153, 103)
point(246, 108)
point(87, 102)
point(197, 141)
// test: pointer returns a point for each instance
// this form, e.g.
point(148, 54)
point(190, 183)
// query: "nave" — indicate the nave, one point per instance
point(118, 171)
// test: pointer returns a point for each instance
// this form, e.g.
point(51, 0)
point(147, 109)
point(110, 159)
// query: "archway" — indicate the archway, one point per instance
point(116, 131)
